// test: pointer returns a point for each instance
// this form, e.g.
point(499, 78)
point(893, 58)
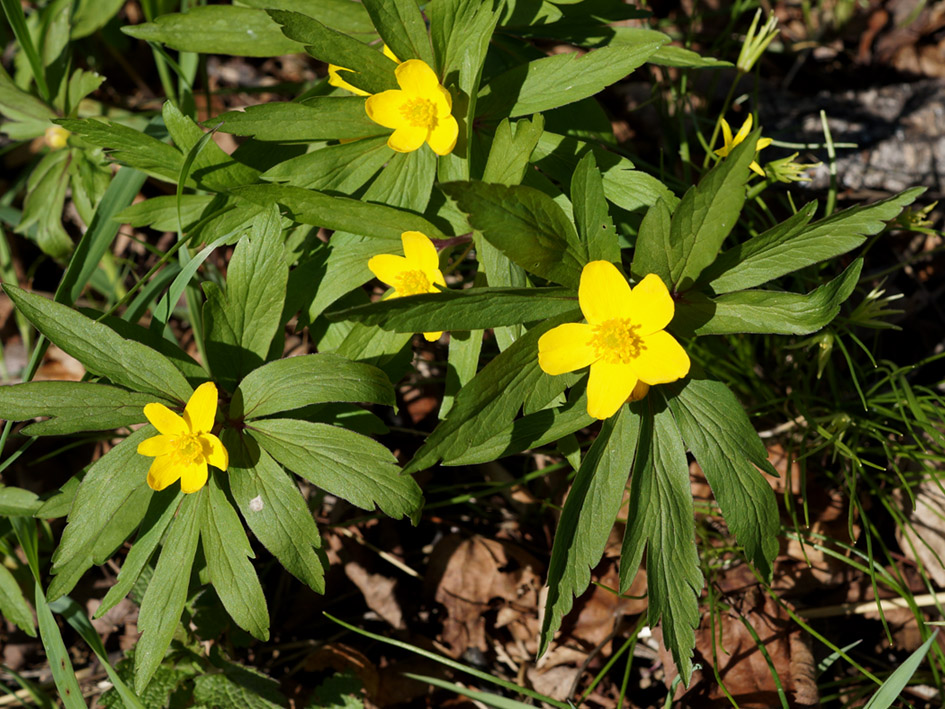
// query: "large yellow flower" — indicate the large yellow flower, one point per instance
point(623, 340)
point(420, 111)
point(185, 445)
point(334, 75)
point(731, 142)
point(414, 273)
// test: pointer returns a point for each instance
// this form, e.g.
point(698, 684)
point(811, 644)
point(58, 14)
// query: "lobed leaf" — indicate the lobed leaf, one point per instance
point(321, 118)
point(342, 463)
point(714, 425)
point(402, 27)
point(100, 349)
point(274, 509)
point(591, 214)
point(217, 29)
point(589, 514)
point(72, 407)
point(765, 311)
point(526, 226)
point(294, 382)
point(228, 552)
point(13, 603)
point(468, 309)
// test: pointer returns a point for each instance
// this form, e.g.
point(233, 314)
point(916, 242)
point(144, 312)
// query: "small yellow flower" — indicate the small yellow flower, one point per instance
point(334, 77)
point(743, 132)
point(185, 445)
point(56, 137)
point(414, 273)
point(623, 341)
point(419, 112)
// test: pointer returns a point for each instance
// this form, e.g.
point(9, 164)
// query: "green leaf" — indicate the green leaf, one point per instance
point(211, 167)
point(161, 511)
point(160, 213)
point(671, 55)
point(130, 147)
point(891, 690)
point(100, 349)
point(488, 404)
point(525, 225)
point(343, 15)
point(17, 502)
point(92, 15)
point(228, 552)
point(340, 213)
point(725, 444)
point(13, 604)
point(46, 194)
point(59, 503)
point(402, 28)
point(237, 687)
point(630, 189)
point(340, 168)
point(110, 503)
point(660, 519)
point(654, 249)
point(765, 311)
point(164, 599)
point(60, 665)
point(705, 216)
point(217, 29)
point(287, 384)
point(588, 516)
point(274, 509)
point(460, 31)
point(371, 71)
point(342, 463)
point(591, 214)
point(71, 406)
point(322, 118)
point(792, 244)
point(511, 150)
point(561, 79)
point(468, 309)
point(240, 324)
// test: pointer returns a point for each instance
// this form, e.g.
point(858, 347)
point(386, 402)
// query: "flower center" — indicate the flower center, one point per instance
point(187, 448)
point(615, 341)
point(420, 113)
point(413, 283)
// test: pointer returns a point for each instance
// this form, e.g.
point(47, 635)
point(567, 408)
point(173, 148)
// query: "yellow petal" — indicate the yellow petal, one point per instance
point(608, 387)
point(662, 359)
point(384, 108)
point(407, 139)
point(565, 348)
point(443, 102)
point(155, 446)
point(214, 451)
point(436, 279)
point(763, 143)
point(390, 55)
point(202, 408)
point(651, 305)
point(165, 420)
point(432, 336)
point(388, 267)
point(420, 251)
point(442, 139)
point(743, 131)
point(639, 391)
point(755, 167)
point(193, 476)
point(334, 79)
point(416, 77)
point(162, 472)
point(603, 293)
point(727, 140)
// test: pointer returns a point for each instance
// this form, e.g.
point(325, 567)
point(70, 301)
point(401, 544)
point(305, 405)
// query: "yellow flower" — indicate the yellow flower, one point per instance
point(623, 340)
point(416, 272)
point(334, 78)
point(56, 137)
point(420, 111)
point(185, 445)
point(743, 132)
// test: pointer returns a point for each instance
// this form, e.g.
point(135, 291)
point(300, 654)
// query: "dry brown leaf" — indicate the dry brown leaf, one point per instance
point(741, 665)
point(925, 541)
point(474, 576)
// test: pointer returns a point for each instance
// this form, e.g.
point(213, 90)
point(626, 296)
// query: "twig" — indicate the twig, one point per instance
point(886, 604)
